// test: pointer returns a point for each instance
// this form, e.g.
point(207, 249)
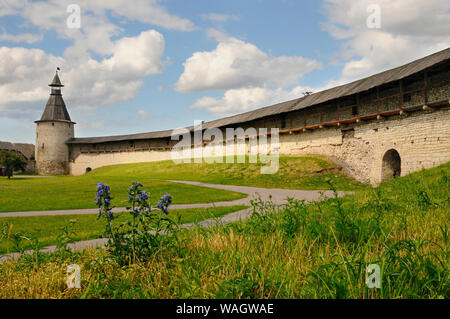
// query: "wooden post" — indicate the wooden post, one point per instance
point(378, 101)
point(304, 119)
point(400, 83)
point(338, 111)
point(425, 88)
point(357, 105)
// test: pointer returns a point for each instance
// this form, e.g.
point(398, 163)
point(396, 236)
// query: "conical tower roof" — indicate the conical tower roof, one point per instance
point(55, 109)
point(56, 82)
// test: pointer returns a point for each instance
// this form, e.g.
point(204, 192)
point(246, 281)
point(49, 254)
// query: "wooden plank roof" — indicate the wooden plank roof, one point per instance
point(296, 104)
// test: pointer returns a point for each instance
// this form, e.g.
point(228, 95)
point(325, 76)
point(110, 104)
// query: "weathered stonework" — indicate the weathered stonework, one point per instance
point(422, 139)
point(52, 152)
point(387, 125)
point(24, 150)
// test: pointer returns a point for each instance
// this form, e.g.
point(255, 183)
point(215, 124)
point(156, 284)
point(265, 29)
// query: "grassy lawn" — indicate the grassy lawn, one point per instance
point(295, 172)
point(320, 250)
point(47, 228)
point(72, 192)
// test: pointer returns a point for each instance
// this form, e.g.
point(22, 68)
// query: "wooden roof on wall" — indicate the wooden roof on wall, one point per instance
point(296, 104)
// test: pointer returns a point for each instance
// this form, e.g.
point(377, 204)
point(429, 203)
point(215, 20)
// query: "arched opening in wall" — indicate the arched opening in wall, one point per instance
point(88, 169)
point(391, 166)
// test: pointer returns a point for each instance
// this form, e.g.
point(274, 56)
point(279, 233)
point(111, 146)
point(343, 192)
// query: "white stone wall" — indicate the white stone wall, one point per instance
point(95, 160)
point(52, 152)
point(422, 139)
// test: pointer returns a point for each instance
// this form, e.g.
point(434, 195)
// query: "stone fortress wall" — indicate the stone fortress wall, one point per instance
point(23, 149)
point(393, 129)
point(51, 150)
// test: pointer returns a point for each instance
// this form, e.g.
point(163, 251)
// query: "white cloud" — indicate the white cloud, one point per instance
point(410, 29)
point(114, 75)
point(250, 77)
point(89, 83)
point(20, 38)
point(21, 73)
point(96, 26)
point(218, 17)
point(246, 99)
point(236, 64)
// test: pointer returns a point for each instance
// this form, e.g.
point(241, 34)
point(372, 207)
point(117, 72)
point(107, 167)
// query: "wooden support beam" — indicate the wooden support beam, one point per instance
point(378, 100)
point(338, 110)
point(304, 118)
point(357, 104)
point(400, 84)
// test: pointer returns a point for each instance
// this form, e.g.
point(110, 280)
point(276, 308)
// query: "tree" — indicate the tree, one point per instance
point(12, 162)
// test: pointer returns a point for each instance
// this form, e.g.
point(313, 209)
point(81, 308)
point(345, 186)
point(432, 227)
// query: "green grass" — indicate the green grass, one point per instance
point(46, 229)
point(72, 192)
point(295, 172)
point(320, 250)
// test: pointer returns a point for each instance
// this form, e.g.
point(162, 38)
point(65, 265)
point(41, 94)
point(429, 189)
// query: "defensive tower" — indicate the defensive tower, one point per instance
point(53, 130)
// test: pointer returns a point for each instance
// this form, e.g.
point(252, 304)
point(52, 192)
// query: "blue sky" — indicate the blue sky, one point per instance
point(154, 65)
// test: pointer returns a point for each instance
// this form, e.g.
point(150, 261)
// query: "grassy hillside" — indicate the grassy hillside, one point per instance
point(47, 229)
point(295, 172)
point(319, 250)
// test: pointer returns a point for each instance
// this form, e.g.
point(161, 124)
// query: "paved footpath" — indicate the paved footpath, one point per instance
point(278, 197)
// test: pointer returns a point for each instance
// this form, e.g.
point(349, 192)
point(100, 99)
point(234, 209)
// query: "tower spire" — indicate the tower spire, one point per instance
point(55, 109)
point(56, 82)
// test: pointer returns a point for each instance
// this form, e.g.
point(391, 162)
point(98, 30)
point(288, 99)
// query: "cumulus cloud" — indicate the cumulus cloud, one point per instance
point(246, 99)
point(48, 14)
point(99, 67)
point(236, 64)
point(410, 29)
point(90, 83)
point(20, 38)
point(250, 77)
point(21, 81)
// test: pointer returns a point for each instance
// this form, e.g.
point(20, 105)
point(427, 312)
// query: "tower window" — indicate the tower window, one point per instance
point(53, 124)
